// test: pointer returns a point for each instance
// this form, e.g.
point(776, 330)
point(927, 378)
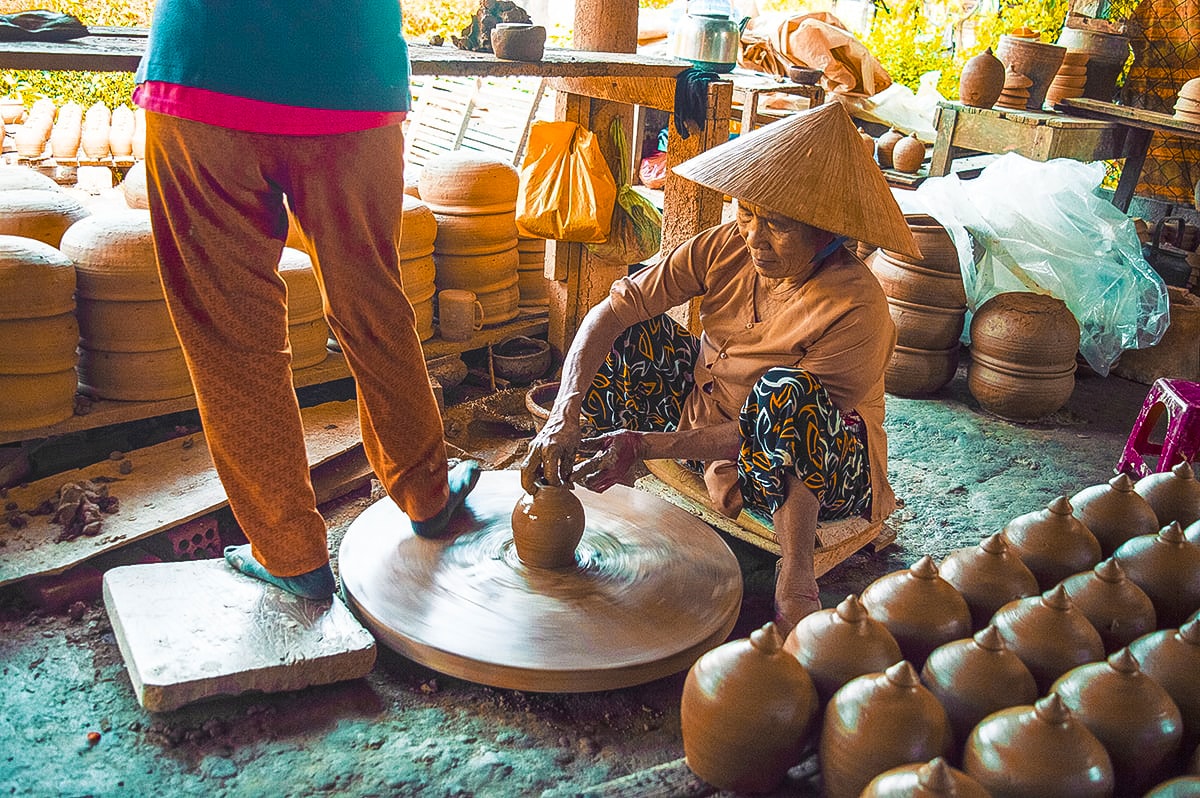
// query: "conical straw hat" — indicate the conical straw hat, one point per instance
point(813, 167)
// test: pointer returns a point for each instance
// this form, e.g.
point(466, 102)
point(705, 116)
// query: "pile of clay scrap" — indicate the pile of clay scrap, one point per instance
point(478, 35)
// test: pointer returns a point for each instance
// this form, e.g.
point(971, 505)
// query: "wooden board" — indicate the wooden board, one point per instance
point(1136, 117)
point(169, 484)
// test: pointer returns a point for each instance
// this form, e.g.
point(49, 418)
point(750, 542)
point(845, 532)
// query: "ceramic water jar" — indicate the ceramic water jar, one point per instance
point(1114, 513)
point(933, 779)
point(1052, 542)
point(920, 608)
point(1119, 610)
point(547, 526)
point(747, 713)
point(1171, 657)
point(981, 80)
point(878, 722)
point(836, 645)
point(908, 154)
point(1167, 567)
point(1132, 716)
point(1049, 634)
point(976, 676)
point(988, 576)
point(885, 145)
point(1038, 750)
point(40, 214)
point(1174, 494)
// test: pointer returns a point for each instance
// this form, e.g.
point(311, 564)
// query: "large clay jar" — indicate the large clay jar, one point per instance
point(981, 81)
point(308, 331)
point(988, 576)
point(1114, 513)
point(747, 713)
point(1167, 567)
point(1178, 787)
point(1023, 349)
point(875, 723)
point(839, 644)
point(1174, 494)
point(908, 154)
point(1131, 715)
point(975, 677)
point(547, 526)
point(884, 146)
point(1038, 750)
point(1039, 61)
point(1192, 533)
point(1052, 542)
point(1049, 635)
point(919, 608)
point(1119, 610)
point(929, 780)
point(417, 269)
point(1171, 657)
point(41, 215)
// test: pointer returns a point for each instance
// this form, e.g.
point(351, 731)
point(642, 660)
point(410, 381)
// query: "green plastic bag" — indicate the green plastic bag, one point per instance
point(636, 231)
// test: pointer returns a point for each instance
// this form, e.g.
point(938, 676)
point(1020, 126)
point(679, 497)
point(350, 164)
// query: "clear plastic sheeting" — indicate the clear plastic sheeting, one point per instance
point(1026, 225)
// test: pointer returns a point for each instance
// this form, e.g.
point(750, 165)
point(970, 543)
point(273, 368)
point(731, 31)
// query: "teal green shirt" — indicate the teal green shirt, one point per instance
point(348, 55)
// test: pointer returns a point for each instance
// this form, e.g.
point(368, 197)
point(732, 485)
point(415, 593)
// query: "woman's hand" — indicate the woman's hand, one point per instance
point(551, 454)
point(615, 454)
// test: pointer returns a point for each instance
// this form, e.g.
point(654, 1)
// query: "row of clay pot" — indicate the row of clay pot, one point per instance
point(70, 132)
point(894, 150)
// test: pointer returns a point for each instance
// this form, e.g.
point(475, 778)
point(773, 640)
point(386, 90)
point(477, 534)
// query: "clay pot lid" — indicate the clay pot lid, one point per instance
point(1110, 571)
point(988, 638)
point(924, 568)
point(1172, 533)
point(1190, 631)
point(1056, 598)
point(1191, 89)
point(1123, 662)
point(903, 675)
point(1051, 710)
point(654, 587)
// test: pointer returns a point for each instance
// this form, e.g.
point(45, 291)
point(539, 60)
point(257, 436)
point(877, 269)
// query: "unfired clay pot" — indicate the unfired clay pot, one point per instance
point(836, 645)
point(1192, 533)
point(1114, 513)
point(975, 677)
point(1171, 657)
point(1119, 610)
point(1052, 542)
point(878, 722)
point(988, 576)
point(1174, 494)
point(1131, 715)
point(908, 154)
point(1038, 750)
point(547, 526)
point(747, 713)
point(930, 780)
point(868, 142)
point(981, 81)
point(1167, 567)
point(919, 608)
point(885, 145)
point(1178, 787)
point(1049, 634)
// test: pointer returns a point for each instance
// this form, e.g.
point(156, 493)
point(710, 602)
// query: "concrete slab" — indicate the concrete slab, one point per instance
point(195, 630)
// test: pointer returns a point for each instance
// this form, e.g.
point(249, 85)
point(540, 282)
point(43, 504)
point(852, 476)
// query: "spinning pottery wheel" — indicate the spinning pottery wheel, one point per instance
point(652, 588)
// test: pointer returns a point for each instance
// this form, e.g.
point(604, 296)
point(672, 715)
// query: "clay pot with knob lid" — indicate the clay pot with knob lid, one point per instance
point(547, 525)
point(1171, 657)
point(839, 644)
point(1114, 513)
point(1174, 494)
point(1167, 567)
point(933, 779)
point(1132, 716)
point(908, 154)
point(1119, 610)
point(988, 576)
point(1049, 634)
point(875, 723)
point(1038, 750)
point(920, 608)
point(884, 146)
point(747, 713)
point(1052, 542)
point(974, 677)
point(981, 81)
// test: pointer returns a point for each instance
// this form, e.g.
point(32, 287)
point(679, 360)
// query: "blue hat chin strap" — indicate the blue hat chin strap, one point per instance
point(829, 249)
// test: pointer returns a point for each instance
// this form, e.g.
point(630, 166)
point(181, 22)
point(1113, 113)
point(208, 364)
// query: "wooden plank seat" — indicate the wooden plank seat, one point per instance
point(836, 540)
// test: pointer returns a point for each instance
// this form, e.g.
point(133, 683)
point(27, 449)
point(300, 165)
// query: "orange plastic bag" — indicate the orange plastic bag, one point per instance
point(566, 190)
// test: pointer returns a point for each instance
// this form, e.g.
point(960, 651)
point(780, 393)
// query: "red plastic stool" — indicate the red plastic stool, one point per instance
point(1180, 400)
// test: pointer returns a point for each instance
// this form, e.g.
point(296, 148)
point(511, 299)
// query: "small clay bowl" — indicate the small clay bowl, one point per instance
point(514, 41)
point(521, 359)
point(805, 76)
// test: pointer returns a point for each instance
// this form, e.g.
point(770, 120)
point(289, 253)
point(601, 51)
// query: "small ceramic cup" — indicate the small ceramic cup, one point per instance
point(459, 314)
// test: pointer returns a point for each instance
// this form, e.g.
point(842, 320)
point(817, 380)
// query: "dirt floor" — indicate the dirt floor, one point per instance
point(406, 730)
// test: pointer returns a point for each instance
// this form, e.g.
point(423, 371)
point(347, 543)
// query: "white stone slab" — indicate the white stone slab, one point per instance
point(195, 630)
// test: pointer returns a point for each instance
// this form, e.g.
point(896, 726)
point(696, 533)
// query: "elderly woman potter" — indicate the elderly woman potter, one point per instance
point(780, 400)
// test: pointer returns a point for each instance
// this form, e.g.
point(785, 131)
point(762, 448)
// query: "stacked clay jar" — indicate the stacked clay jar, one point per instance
point(928, 305)
point(533, 287)
point(1047, 660)
point(308, 332)
point(417, 268)
point(474, 198)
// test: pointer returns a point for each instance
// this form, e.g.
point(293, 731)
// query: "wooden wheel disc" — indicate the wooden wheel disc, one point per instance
point(653, 588)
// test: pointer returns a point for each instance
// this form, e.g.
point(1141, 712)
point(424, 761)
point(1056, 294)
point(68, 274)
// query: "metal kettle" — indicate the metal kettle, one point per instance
point(711, 41)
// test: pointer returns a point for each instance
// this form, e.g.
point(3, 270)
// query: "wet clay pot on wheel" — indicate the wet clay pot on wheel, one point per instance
point(1174, 494)
point(1131, 715)
point(1119, 610)
point(988, 576)
point(1167, 567)
point(1171, 657)
point(981, 81)
point(878, 722)
point(547, 525)
point(919, 608)
point(1038, 750)
point(1114, 513)
point(1052, 542)
point(1049, 634)
point(929, 780)
point(975, 677)
point(839, 644)
point(747, 712)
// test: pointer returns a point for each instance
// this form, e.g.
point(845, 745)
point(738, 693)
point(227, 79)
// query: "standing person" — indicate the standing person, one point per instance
point(780, 399)
point(249, 104)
